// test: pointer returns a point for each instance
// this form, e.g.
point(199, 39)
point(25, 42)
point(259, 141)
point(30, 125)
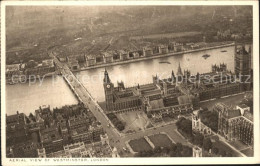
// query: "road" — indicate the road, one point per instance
point(116, 139)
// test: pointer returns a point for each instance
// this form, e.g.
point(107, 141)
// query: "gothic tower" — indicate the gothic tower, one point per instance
point(242, 65)
point(109, 88)
point(196, 151)
point(179, 76)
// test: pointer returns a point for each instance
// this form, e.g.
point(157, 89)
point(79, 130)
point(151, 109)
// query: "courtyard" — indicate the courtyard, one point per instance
point(134, 121)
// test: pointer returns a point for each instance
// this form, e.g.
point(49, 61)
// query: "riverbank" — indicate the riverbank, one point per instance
point(27, 78)
point(154, 57)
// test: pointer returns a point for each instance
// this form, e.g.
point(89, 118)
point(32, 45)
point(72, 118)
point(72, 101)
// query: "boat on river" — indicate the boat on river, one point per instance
point(205, 56)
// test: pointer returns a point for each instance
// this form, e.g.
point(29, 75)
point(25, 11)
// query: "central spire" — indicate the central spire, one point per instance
point(179, 73)
point(106, 77)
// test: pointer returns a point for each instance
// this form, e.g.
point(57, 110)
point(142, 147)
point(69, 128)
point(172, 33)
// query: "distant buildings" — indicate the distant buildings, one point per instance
point(22, 72)
point(106, 57)
point(47, 67)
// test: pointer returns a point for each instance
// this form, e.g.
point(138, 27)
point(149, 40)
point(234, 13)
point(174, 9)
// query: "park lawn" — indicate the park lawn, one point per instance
point(185, 135)
point(139, 145)
point(160, 140)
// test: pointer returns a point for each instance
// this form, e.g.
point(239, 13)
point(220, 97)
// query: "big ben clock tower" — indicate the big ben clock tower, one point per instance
point(109, 88)
point(242, 65)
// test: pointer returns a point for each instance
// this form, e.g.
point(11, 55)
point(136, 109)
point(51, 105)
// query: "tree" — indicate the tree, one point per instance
point(165, 150)
point(27, 120)
point(207, 144)
point(149, 115)
point(120, 127)
point(223, 153)
point(172, 153)
point(157, 149)
point(229, 154)
point(173, 147)
point(114, 121)
point(186, 152)
point(149, 153)
point(198, 139)
point(31, 115)
point(215, 150)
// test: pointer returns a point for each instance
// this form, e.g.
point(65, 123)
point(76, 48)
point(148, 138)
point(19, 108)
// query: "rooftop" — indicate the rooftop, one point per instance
point(242, 106)
point(248, 116)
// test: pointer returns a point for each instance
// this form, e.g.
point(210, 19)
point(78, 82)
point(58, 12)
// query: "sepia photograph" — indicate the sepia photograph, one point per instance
point(121, 82)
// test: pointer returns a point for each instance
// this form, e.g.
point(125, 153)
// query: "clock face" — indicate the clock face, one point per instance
point(108, 86)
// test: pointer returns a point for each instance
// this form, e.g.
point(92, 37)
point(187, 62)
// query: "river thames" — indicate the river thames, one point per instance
point(27, 98)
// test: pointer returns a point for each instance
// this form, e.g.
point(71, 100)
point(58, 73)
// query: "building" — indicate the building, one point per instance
point(81, 58)
point(47, 132)
point(147, 51)
point(16, 129)
point(176, 47)
point(48, 62)
point(108, 58)
point(13, 67)
point(86, 135)
point(124, 55)
point(90, 60)
point(51, 139)
point(163, 49)
point(80, 149)
point(43, 113)
point(73, 63)
point(76, 150)
point(243, 65)
point(46, 68)
point(62, 59)
point(134, 54)
point(78, 122)
point(182, 89)
point(159, 95)
point(198, 126)
point(41, 153)
point(235, 124)
point(196, 151)
point(99, 59)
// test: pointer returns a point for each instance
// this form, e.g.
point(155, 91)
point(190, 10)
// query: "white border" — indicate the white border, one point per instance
point(136, 161)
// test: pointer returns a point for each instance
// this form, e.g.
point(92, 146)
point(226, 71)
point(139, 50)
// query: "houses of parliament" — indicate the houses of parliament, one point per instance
point(181, 90)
